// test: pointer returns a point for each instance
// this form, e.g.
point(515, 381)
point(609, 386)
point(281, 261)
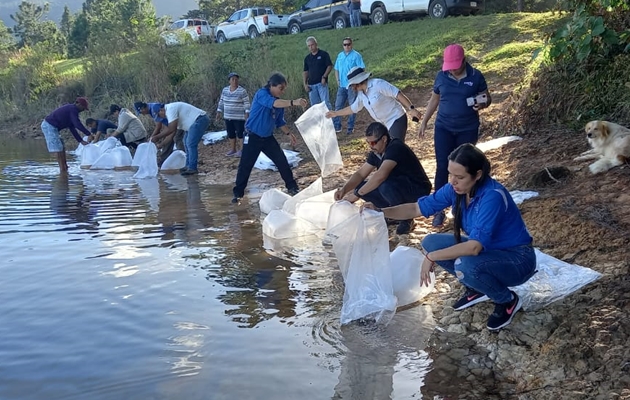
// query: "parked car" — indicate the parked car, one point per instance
point(250, 22)
point(320, 14)
point(380, 11)
point(194, 28)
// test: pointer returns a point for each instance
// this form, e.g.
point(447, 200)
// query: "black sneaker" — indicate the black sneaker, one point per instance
point(404, 227)
point(503, 313)
point(183, 169)
point(470, 298)
point(236, 200)
point(293, 191)
point(189, 172)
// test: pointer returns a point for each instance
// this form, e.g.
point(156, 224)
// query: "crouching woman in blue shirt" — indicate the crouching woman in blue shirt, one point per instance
point(497, 251)
point(266, 114)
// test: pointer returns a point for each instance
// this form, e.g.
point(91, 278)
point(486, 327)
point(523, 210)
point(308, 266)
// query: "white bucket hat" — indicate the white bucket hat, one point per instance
point(357, 75)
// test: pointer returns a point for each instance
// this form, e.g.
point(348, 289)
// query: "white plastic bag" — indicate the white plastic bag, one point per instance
point(405, 265)
point(362, 249)
point(339, 212)
point(316, 209)
point(213, 137)
point(272, 199)
point(263, 162)
point(113, 158)
point(279, 224)
point(89, 155)
point(314, 189)
point(146, 161)
point(318, 132)
point(175, 161)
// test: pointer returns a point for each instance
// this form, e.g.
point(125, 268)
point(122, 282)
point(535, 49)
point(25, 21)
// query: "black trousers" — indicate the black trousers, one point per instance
point(251, 150)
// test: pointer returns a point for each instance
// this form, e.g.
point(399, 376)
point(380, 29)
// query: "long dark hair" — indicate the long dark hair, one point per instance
point(276, 79)
point(474, 161)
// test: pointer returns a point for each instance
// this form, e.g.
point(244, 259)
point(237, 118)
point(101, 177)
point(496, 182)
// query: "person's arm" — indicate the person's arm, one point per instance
point(379, 177)
point(281, 103)
point(305, 81)
point(123, 123)
point(434, 101)
point(340, 113)
point(220, 107)
point(325, 76)
point(170, 129)
point(404, 100)
point(246, 104)
point(77, 124)
point(354, 181)
point(157, 129)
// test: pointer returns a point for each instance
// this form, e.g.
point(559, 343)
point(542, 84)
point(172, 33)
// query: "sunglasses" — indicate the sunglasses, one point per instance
point(374, 142)
point(347, 44)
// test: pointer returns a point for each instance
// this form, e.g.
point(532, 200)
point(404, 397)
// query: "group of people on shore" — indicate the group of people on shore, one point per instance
point(496, 251)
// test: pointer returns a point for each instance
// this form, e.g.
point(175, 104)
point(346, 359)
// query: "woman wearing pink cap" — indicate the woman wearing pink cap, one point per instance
point(459, 92)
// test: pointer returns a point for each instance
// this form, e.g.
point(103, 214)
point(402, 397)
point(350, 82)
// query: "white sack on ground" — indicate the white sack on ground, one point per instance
point(213, 137)
point(263, 162)
point(405, 263)
point(175, 161)
point(521, 196)
point(554, 280)
point(272, 199)
point(496, 143)
point(318, 132)
point(362, 248)
point(146, 161)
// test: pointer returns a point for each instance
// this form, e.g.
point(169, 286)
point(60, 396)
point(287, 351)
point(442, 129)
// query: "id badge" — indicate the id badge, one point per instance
point(246, 139)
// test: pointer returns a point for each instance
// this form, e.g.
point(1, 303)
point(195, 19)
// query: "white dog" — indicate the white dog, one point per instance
point(610, 144)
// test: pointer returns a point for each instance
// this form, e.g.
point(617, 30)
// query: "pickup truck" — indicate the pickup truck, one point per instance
point(195, 28)
point(250, 22)
point(380, 11)
point(320, 14)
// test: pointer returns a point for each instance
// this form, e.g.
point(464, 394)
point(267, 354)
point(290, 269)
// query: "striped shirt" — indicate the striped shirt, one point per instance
point(234, 104)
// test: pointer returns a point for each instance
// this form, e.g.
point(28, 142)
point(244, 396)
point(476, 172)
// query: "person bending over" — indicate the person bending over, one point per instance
point(399, 176)
point(496, 253)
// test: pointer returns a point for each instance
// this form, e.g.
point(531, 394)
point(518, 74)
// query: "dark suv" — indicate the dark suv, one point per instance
point(320, 14)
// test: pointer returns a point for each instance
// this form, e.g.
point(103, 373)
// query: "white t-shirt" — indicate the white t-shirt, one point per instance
point(184, 113)
point(380, 101)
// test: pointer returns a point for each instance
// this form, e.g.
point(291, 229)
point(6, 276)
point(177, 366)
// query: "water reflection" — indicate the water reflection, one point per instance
point(74, 206)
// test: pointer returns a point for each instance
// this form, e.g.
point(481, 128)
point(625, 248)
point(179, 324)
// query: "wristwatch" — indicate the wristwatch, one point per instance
point(412, 107)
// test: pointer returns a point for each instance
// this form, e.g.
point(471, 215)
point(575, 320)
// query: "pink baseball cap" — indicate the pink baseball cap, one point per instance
point(83, 101)
point(453, 57)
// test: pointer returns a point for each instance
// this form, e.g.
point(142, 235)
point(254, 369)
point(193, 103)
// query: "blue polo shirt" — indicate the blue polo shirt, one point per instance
point(492, 218)
point(453, 113)
point(154, 115)
point(263, 116)
point(344, 63)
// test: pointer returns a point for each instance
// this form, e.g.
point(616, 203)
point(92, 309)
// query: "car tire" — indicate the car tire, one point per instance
point(339, 22)
point(378, 16)
point(437, 9)
point(294, 28)
point(221, 37)
point(253, 32)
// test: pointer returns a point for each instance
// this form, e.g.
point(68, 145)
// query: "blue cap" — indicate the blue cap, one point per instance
point(155, 109)
point(231, 74)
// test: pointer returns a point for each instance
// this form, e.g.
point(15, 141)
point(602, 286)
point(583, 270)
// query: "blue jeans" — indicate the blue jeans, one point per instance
point(395, 191)
point(445, 142)
point(344, 95)
point(318, 94)
point(355, 18)
point(491, 271)
point(251, 150)
point(192, 138)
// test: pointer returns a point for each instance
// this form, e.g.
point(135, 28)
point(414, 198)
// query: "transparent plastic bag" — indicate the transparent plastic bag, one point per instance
point(405, 265)
point(318, 132)
point(279, 224)
point(314, 189)
point(175, 161)
point(316, 209)
point(146, 161)
point(361, 244)
point(272, 199)
point(113, 158)
point(89, 155)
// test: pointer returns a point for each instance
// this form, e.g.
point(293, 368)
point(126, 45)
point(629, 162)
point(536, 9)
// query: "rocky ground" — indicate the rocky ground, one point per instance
point(576, 348)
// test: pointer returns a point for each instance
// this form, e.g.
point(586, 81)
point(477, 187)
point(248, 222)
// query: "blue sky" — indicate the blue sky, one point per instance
point(173, 8)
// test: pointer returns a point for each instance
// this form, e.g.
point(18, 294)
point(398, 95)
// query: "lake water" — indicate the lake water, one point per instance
point(115, 288)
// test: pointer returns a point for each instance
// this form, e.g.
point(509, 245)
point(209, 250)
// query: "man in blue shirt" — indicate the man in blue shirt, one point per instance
point(64, 117)
point(266, 114)
point(346, 60)
point(460, 91)
point(99, 127)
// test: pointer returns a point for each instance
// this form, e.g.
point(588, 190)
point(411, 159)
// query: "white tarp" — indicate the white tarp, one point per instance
point(318, 132)
point(496, 143)
point(213, 137)
point(263, 162)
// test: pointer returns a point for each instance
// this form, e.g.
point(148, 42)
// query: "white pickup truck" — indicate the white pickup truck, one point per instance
point(250, 22)
point(380, 11)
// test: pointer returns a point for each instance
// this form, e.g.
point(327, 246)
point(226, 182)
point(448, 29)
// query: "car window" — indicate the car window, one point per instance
point(233, 17)
point(189, 23)
point(197, 22)
point(311, 4)
point(325, 2)
point(204, 22)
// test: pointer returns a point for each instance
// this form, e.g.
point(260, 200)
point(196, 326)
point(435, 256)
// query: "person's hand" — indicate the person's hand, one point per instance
point(83, 142)
point(425, 272)
point(479, 106)
point(415, 114)
point(218, 117)
point(338, 194)
point(369, 206)
point(307, 88)
point(300, 102)
point(154, 139)
point(324, 81)
point(422, 129)
point(293, 139)
point(331, 114)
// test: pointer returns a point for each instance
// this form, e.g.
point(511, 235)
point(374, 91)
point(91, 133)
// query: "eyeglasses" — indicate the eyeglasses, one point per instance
point(347, 44)
point(374, 142)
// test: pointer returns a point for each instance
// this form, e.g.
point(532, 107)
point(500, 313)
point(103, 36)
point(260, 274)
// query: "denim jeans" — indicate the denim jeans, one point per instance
point(491, 271)
point(445, 142)
point(251, 150)
point(395, 191)
point(344, 95)
point(355, 18)
point(192, 138)
point(318, 94)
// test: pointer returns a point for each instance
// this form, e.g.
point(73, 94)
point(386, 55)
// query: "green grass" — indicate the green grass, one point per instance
point(70, 68)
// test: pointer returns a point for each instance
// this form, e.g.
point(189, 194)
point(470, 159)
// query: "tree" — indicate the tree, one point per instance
point(28, 25)
point(67, 19)
point(78, 37)
point(6, 38)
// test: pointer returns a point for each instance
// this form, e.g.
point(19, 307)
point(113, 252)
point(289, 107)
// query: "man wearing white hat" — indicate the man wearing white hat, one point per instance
point(381, 99)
